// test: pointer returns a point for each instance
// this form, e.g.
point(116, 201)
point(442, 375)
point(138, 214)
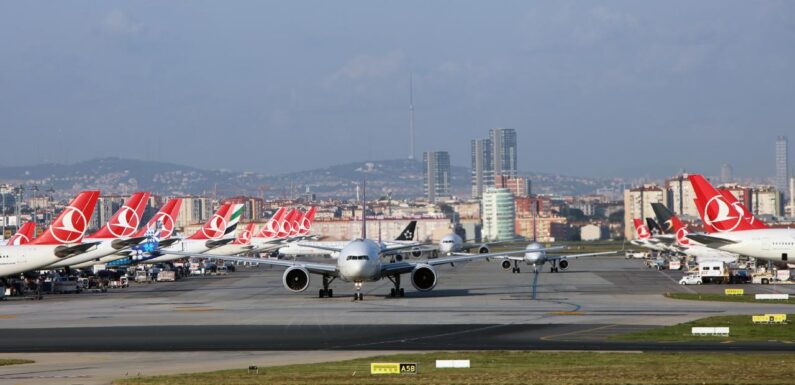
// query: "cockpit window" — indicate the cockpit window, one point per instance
point(357, 258)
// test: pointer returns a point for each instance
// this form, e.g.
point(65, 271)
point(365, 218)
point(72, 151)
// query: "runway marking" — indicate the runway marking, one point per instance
point(549, 338)
point(7, 316)
point(195, 309)
point(567, 313)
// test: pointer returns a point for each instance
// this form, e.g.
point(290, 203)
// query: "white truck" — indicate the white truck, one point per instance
point(713, 272)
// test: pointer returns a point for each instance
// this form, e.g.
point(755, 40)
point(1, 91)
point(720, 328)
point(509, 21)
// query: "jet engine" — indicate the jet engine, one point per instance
point(399, 257)
point(416, 252)
point(423, 277)
point(506, 264)
point(483, 249)
point(296, 279)
point(563, 264)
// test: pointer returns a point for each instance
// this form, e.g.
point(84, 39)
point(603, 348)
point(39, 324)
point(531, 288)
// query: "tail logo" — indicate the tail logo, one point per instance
point(126, 224)
point(681, 236)
point(19, 239)
point(643, 231)
point(167, 223)
point(70, 227)
point(669, 225)
point(215, 227)
point(717, 211)
point(408, 234)
point(245, 236)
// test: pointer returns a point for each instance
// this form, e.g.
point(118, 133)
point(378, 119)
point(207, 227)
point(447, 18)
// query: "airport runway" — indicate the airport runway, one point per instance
point(474, 306)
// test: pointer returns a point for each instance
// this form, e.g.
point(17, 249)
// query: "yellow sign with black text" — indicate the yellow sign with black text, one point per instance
point(734, 291)
point(393, 368)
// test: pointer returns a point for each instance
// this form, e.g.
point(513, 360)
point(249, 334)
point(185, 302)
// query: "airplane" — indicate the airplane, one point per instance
point(536, 255)
point(684, 245)
point(164, 220)
point(322, 247)
point(23, 235)
point(241, 244)
point(61, 240)
point(746, 214)
point(214, 233)
point(453, 243)
point(116, 235)
point(645, 238)
point(360, 261)
point(734, 233)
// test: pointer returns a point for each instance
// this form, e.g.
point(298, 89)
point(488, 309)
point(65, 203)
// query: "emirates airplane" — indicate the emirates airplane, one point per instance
point(60, 241)
point(116, 235)
point(733, 231)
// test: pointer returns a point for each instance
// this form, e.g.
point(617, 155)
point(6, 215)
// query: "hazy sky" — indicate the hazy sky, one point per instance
point(593, 88)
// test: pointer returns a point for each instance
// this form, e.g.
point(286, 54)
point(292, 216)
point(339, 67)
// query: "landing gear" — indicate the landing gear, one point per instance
point(396, 291)
point(358, 296)
point(325, 291)
point(515, 269)
point(554, 268)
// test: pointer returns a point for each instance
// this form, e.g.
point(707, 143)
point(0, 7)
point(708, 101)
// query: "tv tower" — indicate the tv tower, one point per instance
point(411, 116)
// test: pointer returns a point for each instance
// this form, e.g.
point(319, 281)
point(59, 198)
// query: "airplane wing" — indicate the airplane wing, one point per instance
point(168, 242)
point(506, 254)
point(710, 240)
point(394, 248)
point(470, 245)
point(317, 268)
point(219, 242)
point(327, 248)
point(119, 244)
point(575, 256)
point(405, 267)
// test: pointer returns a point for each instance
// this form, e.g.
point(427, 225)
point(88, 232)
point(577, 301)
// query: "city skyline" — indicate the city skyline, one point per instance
point(592, 90)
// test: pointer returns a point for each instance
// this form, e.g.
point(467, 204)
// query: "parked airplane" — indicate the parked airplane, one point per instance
point(359, 261)
point(672, 224)
point(164, 219)
point(241, 244)
point(116, 235)
point(734, 233)
point(645, 238)
point(23, 235)
point(60, 241)
point(744, 212)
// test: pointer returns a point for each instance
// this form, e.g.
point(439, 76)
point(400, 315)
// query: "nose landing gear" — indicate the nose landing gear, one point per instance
point(358, 296)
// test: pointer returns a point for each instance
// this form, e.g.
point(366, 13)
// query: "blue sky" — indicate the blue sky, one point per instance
point(593, 88)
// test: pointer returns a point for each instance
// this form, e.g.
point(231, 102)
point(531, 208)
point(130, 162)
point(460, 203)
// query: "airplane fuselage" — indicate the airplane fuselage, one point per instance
point(22, 258)
point(777, 245)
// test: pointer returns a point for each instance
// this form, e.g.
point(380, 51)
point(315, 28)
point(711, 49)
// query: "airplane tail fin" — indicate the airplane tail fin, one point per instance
point(716, 211)
point(23, 235)
point(244, 237)
point(306, 222)
point(654, 227)
point(671, 223)
point(126, 220)
point(271, 228)
point(215, 227)
point(746, 214)
point(408, 232)
point(166, 216)
point(71, 224)
point(236, 213)
point(286, 224)
point(295, 224)
point(641, 229)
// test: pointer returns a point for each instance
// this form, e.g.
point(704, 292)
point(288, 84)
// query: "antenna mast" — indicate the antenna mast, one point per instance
point(411, 116)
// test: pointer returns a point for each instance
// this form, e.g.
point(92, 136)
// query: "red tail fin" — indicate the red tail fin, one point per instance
point(286, 224)
point(215, 227)
point(716, 212)
point(306, 222)
point(126, 220)
point(244, 237)
point(680, 231)
point(167, 216)
point(745, 213)
point(296, 223)
point(23, 235)
point(641, 229)
point(272, 227)
point(71, 224)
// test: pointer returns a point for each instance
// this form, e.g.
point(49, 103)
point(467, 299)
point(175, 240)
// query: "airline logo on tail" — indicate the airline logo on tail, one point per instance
point(165, 220)
point(717, 213)
point(244, 238)
point(125, 222)
point(744, 213)
point(215, 227)
point(272, 227)
point(286, 227)
point(306, 221)
point(72, 223)
point(23, 235)
point(640, 227)
point(681, 236)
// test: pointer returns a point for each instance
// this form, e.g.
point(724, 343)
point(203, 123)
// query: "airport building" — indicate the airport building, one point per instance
point(436, 175)
point(499, 215)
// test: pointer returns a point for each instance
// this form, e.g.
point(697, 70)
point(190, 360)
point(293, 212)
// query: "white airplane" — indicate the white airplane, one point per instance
point(645, 238)
point(214, 233)
point(688, 246)
point(164, 219)
point(116, 235)
point(360, 261)
point(320, 248)
point(241, 244)
point(733, 232)
point(22, 236)
point(536, 255)
point(283, 227)
point(60, 241)
point(453, 243)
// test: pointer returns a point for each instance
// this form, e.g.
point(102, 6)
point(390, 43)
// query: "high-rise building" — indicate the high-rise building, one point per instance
point(637, 204)
point(519, 186)
point(726, 173)
point(681, 196)
point(436, 174)
point(782, 164)
point(499, 214)
point(503, 142)
point(482, 170)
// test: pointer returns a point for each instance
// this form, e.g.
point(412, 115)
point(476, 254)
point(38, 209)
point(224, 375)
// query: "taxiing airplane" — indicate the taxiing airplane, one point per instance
point(536, 255)
point(320, 248)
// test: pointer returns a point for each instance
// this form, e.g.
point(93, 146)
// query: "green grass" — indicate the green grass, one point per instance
point(13, 361)
point(741, 329)
point(519, 368)
point(727, 298)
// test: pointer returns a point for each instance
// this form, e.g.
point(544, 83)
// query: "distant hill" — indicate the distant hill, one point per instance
point(402, 177)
